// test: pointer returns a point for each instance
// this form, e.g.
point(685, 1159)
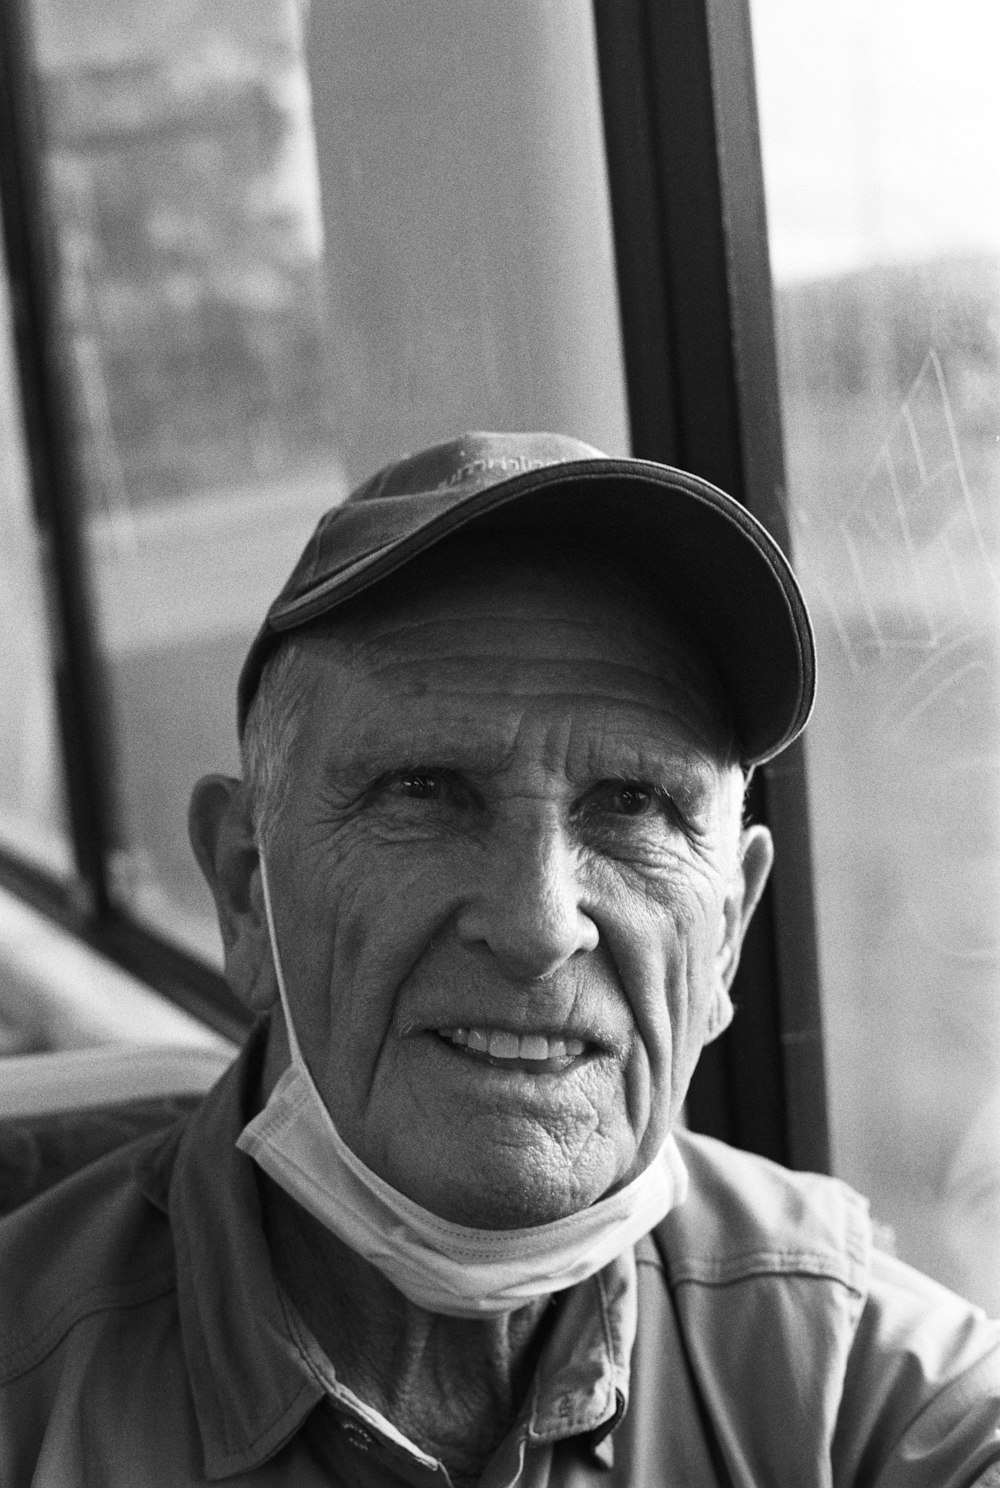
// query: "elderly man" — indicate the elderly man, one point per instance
point(486, 880)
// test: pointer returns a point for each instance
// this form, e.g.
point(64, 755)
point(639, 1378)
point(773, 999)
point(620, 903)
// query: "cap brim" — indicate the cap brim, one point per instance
point(719, 569)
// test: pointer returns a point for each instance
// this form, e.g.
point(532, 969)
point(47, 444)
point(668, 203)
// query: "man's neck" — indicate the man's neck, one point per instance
point(452, 1385)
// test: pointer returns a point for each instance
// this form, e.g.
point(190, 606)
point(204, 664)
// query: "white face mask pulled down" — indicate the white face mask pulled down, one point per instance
point(441, 1266)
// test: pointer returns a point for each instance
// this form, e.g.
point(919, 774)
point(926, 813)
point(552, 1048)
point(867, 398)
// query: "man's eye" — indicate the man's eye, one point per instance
point(633, 800)
point(446, 789)
point(419, 786)
point(628, 798)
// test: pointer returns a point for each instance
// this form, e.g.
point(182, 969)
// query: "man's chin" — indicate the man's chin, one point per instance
point(512, 1197)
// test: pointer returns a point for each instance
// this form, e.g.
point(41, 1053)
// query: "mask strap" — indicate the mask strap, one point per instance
point(272, 935)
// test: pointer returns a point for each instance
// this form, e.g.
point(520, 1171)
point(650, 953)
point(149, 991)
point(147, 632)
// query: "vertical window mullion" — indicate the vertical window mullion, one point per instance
point(751, 312)
point(47, 394)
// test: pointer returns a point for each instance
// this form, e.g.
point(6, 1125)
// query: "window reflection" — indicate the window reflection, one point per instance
point(890, 368)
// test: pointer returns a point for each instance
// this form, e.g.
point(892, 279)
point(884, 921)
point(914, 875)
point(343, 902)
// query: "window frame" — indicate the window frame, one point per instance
point(690, 233)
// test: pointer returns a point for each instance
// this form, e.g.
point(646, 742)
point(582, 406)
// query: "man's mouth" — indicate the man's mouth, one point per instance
point(539, 1052)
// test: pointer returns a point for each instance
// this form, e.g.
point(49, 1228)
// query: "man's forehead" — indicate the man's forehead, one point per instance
point(496, 628)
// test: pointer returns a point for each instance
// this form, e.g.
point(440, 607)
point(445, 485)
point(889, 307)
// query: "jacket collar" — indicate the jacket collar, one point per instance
point(251, 1389)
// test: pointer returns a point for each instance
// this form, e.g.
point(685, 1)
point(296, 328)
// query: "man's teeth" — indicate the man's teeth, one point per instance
point(500, 1044)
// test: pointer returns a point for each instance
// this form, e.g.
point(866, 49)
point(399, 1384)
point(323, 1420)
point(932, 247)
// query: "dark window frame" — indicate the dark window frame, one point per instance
point(695, 291)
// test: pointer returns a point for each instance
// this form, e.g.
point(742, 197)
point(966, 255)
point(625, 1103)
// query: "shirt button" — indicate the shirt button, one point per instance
point(357, 1435)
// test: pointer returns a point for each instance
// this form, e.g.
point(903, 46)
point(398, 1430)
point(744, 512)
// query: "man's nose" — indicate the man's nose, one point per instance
point(529, 906)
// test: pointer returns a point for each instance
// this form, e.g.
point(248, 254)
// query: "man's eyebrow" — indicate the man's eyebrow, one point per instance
point(691, 776)
point(407, 750)
point(687, 755)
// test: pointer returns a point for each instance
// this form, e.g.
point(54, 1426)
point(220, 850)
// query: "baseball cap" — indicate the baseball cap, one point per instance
point(717, 567)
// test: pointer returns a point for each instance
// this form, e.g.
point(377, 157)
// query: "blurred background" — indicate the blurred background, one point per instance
point(878, 122)
point(291, 243)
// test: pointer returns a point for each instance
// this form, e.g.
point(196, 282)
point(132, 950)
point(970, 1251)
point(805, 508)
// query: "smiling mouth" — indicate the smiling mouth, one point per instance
point(538, 1052)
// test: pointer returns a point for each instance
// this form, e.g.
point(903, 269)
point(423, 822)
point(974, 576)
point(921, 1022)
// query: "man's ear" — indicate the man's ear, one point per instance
point(223, 840)
point(755, 858)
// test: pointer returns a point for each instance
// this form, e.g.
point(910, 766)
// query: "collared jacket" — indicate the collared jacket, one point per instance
point(755, 1340)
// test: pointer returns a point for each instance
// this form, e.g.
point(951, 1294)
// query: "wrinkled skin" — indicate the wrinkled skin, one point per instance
point(512, 806)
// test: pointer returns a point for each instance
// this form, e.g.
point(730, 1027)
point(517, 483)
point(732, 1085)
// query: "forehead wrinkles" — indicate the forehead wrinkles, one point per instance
point(470, 675)
point(592, 721)
point(574, 633)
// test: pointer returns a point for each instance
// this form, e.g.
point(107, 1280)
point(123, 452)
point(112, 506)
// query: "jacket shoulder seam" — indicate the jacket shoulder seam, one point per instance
point(755, 1265)
point(786, 1243)
point(28, 1354)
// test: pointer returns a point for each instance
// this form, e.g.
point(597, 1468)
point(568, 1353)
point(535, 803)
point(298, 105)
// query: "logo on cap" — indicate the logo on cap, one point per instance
point(502, 465)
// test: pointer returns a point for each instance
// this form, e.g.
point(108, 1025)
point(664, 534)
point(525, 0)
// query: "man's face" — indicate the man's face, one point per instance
point(507, 886)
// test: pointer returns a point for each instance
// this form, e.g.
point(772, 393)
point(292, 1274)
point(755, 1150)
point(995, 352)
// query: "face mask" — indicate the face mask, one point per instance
point(441, 1266)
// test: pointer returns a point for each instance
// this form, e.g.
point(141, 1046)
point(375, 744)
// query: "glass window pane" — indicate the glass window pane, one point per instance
point(285, 259)
point(182, 177)
point(32, 823)
point(466, 218)
point(879, 126)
